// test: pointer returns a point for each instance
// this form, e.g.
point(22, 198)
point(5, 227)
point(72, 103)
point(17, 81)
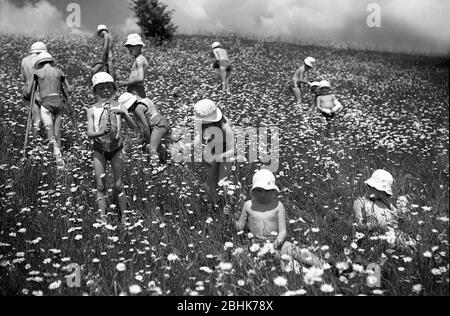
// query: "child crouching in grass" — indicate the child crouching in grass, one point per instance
point(104, 127)
point(265, 217)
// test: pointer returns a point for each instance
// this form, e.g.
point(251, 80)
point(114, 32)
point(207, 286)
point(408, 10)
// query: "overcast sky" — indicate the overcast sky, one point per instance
point(422, 25)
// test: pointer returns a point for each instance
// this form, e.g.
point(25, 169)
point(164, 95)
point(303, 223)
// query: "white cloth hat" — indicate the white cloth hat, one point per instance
point(324, 84)
point(127, 100)
point(102, 27)
point(310, 61)
point(207, 111)
point(102, 77)
point(215, 45)
point(382, 181)
point(134, 40)
point(38, 47)
point(265, 180)
point(43, 57)
point(315, 84)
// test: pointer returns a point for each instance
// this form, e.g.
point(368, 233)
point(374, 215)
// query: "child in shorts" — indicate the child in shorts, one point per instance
point(153, 126)
point(326, 101)
point(135, 83)
point(223, 64)
point(104, 127)
point(300, 77)
point(265, 217)
point(53, 88)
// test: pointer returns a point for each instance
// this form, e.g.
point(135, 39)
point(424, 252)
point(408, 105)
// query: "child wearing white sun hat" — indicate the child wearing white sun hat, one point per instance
point(376, 214)
point(105, 129)
point(265, 217)
point(301, 78)
point(106, 62)
point(217, 130)
point(223, 64)
point(135, 82)
point(375, 210)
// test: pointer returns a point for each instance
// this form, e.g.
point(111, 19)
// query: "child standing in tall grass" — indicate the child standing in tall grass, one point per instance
point(104, 127)
point(265, 217)
point(223, 64)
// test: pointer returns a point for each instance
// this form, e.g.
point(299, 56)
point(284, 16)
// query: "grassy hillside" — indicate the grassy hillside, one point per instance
point(396, 117)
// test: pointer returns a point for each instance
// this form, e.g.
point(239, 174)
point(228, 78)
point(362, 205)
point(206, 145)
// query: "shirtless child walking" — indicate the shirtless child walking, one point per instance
point(135, 83)
point(53, 88)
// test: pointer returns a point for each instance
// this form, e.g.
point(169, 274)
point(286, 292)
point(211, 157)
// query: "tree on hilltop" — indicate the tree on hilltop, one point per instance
point(154, 19)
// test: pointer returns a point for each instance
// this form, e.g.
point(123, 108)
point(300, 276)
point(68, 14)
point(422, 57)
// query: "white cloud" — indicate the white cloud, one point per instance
point(39, 18)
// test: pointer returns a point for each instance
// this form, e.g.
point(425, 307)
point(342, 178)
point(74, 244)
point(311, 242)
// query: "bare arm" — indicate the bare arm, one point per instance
point(139, 78)
point(229, 136)
point(91, 133)
point(105, 53)
point(144, 124)
point(242, 223)
point(282, 230)
point(125, 115)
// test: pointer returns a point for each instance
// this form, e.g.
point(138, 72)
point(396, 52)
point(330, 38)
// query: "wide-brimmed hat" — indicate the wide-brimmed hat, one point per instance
point(207, 111)
point(315, 84)
point(134, 40)
point(102, 77)
point(382, 181)
point(309, 61)
point(42, 58)
point(215, 45)
point(324, 84)
point(102, 27)
point(264, 179)
point(38, 47)
point(127, 100)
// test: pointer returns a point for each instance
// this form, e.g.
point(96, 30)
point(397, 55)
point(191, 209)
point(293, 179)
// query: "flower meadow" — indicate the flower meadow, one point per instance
point(395, 117)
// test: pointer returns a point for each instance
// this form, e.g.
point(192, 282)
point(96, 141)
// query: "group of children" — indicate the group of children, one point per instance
point(264, 216)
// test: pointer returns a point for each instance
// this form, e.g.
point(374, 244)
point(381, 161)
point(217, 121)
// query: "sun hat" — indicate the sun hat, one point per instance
point(382, 181)
point(309, 61)
point(102, 77)
point(207, 111)
point(215, 45)
point(102, 27)
point(38, 47)
point(324, 84)
point(134, 40)
point(43, 57)
point(315, 84)
point(127, 100)
point(264, 179)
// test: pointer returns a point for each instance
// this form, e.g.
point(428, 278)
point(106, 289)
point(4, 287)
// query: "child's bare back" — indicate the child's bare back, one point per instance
point(49, 80)
point(326, 101)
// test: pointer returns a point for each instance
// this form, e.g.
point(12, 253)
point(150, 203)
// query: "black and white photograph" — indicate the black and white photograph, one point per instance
point(224, 154)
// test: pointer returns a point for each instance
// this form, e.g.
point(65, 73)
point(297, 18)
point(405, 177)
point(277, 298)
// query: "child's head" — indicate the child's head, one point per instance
point(207, 112)
point(101, 30)
point(104, 86)
point(380, 185)
point(314, 86)
point(264, 189)
point(128, 100)
point(324, 86)
point(42, 59)
point(310, 62)
point(215, 45)
point(38, 48)
point(134, 44)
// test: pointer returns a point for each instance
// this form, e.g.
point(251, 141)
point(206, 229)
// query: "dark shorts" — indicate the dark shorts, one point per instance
point(138, 89)
point(108, 150)
point(329, 117)
point(54, 104)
